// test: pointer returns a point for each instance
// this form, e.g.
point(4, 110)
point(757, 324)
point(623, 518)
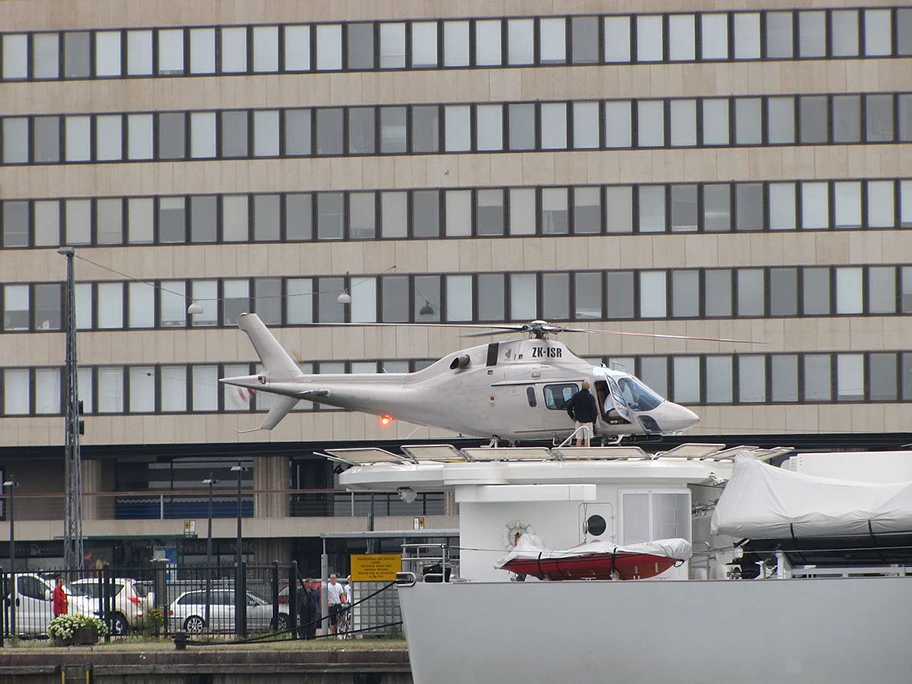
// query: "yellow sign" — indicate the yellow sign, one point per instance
point(375, 567)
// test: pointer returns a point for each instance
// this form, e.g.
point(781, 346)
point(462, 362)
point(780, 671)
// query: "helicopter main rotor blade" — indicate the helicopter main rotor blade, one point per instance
point(659, 335)
point(472, 326)
point(485, 330)
point(498, 330)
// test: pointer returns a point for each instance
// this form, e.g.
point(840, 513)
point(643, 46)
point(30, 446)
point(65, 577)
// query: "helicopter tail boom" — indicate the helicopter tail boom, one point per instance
point(278, 366)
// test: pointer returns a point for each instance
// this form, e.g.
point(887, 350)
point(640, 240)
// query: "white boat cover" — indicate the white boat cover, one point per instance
point(761, 501)
point(531, 546)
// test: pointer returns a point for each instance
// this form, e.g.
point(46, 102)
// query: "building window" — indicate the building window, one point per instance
point(329, 47)
point(360, 46)
point(77, 48)
point(15, 56)
point(139, 53)
point(751, 379)
point(16, 392)
point(491, 297)
point(585, 40)
point(171, 51)
point(202, 51)
point(141, 302)
point(111, 390)
point(649, 39)
point(456, 43)
point(617, 39)
point(392, 46)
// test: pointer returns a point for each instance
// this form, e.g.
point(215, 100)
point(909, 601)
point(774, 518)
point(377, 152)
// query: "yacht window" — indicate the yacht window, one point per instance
point(648, 516)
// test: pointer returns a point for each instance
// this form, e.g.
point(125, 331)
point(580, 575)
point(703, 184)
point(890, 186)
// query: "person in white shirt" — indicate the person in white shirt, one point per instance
point(349, 591)
point(336, 598)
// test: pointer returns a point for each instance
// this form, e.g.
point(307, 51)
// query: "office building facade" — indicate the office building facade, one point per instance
point(644, 167)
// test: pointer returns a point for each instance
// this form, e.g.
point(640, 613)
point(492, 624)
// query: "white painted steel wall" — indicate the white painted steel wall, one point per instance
point(828, 631)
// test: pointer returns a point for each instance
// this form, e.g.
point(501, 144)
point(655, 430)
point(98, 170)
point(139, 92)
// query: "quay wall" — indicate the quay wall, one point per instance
point(209, 665)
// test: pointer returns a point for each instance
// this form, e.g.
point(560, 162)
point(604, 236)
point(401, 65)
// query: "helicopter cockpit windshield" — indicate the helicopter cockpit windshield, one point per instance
point(636, 395)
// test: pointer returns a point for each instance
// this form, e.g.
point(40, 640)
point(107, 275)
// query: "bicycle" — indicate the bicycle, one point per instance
point(344, 623)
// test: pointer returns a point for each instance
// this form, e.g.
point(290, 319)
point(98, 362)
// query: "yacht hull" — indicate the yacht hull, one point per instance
point(804, 631)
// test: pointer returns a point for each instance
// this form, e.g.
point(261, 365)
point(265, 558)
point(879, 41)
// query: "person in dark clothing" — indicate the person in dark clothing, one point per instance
point(581, 407)
point(308, 610)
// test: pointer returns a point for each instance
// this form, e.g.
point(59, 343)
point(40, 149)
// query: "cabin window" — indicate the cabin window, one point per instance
point(557, 396)
point(530, 395)
point(647, 516)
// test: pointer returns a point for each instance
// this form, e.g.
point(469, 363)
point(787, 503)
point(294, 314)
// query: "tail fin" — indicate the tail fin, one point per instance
point(278, 411)
point(278, 366)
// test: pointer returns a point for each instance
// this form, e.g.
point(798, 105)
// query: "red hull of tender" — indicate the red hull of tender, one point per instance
point(593, 566)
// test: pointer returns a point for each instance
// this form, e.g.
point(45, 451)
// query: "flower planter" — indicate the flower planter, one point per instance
point(82, 636)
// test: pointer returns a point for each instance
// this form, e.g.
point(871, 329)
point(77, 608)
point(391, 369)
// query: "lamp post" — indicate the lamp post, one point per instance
point(210, 481)
point(240, 596)
point(11, 485)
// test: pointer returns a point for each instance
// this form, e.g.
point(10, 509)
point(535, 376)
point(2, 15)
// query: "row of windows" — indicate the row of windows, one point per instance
point(484, 297)
point(459, 128)
point(481, 212)
point(160, 388)
point(705, 379)
point(458, 43)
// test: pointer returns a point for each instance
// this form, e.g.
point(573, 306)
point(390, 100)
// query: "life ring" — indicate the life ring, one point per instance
point(511, 529)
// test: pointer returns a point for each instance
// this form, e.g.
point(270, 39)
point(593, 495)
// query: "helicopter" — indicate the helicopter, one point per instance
point(504, 390)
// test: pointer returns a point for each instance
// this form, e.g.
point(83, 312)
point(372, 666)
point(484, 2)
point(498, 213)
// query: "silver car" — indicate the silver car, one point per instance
point(129, 601)
point(188, 612)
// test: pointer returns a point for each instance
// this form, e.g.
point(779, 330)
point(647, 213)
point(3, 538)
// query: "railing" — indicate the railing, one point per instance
point(185, 504)
point(582, 432)
point(430, 562)
point(164, 599)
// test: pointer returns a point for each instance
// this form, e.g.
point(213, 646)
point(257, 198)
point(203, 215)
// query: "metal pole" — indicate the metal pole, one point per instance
point(13, 589)
point(11, 486)
point(324, 581)
point(209, 482)
point(238, 549)
point(240, 597)
point(73, 551)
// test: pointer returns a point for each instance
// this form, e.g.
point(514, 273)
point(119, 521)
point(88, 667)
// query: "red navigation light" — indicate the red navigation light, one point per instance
point(386, 419)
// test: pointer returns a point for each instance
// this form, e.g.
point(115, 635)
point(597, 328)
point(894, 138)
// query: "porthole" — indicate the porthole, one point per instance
point(596, 525)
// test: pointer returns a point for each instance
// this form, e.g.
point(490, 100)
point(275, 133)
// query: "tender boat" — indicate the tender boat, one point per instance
point(595, 560)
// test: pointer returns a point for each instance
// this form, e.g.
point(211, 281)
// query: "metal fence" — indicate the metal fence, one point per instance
point(164, 599)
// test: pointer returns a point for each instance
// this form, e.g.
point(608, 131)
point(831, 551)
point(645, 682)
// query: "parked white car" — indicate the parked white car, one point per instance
point(129, 601)
point(188, 612)
point(32, 599)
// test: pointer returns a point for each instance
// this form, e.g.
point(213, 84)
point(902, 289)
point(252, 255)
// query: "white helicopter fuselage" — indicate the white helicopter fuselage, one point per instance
point(514, 390)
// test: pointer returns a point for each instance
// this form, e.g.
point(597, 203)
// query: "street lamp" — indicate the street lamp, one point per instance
point(240, 598)
point(12, 484)
point(209, 481)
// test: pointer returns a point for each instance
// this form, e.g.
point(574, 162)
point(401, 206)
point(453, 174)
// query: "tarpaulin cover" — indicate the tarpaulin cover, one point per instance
point(764, 502)
point(531, 547)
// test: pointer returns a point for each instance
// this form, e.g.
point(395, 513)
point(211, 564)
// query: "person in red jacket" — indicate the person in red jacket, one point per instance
point(61, 602)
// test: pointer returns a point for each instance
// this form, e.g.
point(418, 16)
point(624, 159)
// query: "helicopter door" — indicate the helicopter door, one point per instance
point(618, 401)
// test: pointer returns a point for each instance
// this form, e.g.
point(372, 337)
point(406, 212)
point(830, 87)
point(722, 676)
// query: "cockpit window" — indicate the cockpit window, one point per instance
point(557, 396)
point(636, 395)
